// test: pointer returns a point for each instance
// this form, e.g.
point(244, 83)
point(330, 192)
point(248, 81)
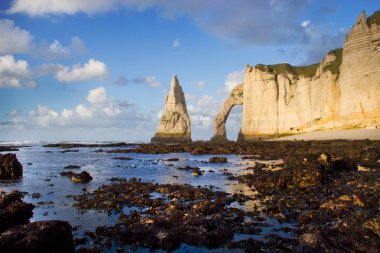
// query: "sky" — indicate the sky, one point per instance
point(99, 70)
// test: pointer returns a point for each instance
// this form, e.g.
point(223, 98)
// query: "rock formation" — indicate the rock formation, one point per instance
point(235, 98)
point(343, 91)
point(175, 122)
point(18, 235)
point(10, 167)
point(39, 237)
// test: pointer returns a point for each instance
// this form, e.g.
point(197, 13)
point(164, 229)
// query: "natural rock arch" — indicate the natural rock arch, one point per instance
point(235, 98)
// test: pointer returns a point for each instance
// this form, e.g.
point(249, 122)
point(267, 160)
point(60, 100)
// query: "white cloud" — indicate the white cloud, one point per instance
point(202, 111)
point(200, 84)
point(93, 69)
point(83, 111)
point(112, 113)
point(58, 50)
point(176, 43)
point(151, 81)
point(246, 21)
point(14, 73)
point(17, 40)
point(44, 116)
point(305, 23)
point(97, 96)
point(13, 113)
point(189, 97)
point(200, 121)
point(78, 45)
point(233, 78)
point(320, 42)
point(13, 39)
point(159, 114)
point(70, 7)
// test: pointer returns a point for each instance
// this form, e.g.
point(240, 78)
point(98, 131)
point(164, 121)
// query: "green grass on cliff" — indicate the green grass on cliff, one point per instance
point(334, 66)
point(374, 18)
point(308, 71)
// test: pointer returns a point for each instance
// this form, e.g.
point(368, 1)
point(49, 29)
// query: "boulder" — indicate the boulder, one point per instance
point(38, 237)
point(10, 167)
point(217, 159)
point(13, 210)
point(83, 177)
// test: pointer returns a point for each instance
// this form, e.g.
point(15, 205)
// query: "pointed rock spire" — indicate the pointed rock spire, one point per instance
point(175, 122)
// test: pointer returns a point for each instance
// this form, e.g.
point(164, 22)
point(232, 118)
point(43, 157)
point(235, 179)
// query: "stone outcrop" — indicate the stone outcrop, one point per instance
point(235, 98)
point(10, 167)
point(18, 235)
point(39, 237)
point(13, 210)
point(343, 91)
point(175, 122)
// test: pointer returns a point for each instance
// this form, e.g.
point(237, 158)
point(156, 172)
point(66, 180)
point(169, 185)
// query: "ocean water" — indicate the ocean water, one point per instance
point(43, 165)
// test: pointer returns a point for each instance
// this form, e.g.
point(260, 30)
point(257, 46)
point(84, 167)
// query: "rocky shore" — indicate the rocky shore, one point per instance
point(329, 189)
point(324, 194)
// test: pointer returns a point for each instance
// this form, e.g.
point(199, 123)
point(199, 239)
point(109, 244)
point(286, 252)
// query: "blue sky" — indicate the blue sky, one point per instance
point(90, 70)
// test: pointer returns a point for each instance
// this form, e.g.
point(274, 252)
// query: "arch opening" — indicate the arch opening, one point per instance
point(234, 123)
point(235, 98)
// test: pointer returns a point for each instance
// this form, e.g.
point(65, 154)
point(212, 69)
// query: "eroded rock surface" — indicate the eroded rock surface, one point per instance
point(175, 122)
point(38, 237)
point(10, 167)
point(235, 98)
point(13, 210)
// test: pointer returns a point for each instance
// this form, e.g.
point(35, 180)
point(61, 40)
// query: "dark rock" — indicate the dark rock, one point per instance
point(197, 216)
point(83, 177)
point(38, 237)
point(70, 151)
point(13, 210)
point(123, 158)
point(10, 167)
point(373, 225)
point(8, 148)
point(217, 159)
point(79, 145)
point(186, 168)
point(175, 159)
point(72, 166)
point(36, 195)
point(197, 172)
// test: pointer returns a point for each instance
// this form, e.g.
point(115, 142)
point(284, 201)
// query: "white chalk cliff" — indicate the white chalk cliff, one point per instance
point(343, 91)
point(175, 123)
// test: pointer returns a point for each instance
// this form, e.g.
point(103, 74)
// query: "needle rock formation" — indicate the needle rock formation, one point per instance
point(175, 122)
point(343, 91)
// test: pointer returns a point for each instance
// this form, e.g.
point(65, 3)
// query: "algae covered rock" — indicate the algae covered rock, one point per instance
point(39, 236)
point(10, 167)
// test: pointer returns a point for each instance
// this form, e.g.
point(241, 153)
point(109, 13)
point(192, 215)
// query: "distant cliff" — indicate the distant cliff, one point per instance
point(343, 91)
point(175, 123)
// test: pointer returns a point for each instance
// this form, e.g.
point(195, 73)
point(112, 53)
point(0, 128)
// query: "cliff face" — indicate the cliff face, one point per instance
point(359, 80)
point(343, 91)
point(282, 99)
point(175, 123)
